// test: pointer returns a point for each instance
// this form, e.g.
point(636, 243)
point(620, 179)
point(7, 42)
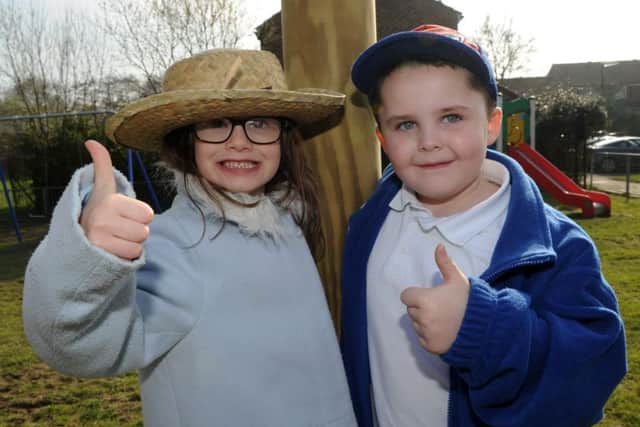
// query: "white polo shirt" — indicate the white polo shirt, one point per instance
point(411, 385)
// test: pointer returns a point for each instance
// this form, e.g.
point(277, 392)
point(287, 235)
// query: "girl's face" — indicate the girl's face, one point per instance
point(436, 130)
point(238, 165)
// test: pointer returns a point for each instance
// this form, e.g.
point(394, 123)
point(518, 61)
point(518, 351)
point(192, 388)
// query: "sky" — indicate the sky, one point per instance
point(564, 31)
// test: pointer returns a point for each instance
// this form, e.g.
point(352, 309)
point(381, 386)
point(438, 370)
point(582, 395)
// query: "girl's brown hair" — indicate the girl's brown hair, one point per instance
point(294, 178)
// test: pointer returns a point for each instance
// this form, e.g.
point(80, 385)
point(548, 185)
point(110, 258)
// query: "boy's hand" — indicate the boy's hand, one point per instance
point(437, 313)
point(114, 222)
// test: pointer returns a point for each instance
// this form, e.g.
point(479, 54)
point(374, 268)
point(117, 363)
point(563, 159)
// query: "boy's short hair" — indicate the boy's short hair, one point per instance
point(429, 44)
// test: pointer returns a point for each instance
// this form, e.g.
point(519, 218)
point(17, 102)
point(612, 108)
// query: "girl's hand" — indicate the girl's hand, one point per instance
point(437, 313)
point(114, 222)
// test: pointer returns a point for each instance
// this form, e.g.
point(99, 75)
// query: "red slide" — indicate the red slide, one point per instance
point(560, 186)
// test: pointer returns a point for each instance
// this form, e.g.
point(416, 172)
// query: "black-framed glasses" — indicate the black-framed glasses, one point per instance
point(258, 130)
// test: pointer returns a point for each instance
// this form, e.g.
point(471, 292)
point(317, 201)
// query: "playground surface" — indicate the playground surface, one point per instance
point(607, 184)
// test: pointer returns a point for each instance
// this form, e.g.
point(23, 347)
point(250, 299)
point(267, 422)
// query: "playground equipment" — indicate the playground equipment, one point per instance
point(519, 129)
point(130, 154)
point(46, 116)
point(12, 212)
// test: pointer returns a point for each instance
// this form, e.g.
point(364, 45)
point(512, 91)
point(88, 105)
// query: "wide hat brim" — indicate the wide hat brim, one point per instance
point(143, 124)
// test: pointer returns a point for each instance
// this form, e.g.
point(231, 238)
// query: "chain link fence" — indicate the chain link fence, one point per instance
point(39, 153)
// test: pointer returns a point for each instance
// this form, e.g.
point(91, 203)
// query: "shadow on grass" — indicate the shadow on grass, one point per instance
point(14, 254)
point(12, 260)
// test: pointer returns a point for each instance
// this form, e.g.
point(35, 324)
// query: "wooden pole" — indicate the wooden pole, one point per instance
point(321, 39)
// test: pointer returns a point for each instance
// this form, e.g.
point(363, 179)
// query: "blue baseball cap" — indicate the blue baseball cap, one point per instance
point(426, 42)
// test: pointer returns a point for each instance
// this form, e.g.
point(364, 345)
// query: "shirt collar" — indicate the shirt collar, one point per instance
point(461, 227)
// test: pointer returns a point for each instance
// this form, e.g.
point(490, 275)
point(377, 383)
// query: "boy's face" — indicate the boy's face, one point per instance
point(436, 130)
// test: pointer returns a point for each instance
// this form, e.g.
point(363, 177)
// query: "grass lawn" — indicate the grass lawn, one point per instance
point(32, 394)
point(618, 240)
point(19, 191)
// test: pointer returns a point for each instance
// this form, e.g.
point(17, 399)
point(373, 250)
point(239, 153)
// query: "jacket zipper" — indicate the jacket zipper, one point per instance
point(454, 378)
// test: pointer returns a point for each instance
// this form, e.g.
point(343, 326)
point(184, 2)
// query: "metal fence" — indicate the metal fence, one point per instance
point(615, 172)
point(34, 176)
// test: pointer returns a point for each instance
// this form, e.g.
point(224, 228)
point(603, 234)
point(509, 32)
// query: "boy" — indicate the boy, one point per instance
point(466, 300)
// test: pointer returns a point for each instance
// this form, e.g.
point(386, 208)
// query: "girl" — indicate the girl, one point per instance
point(217, 301)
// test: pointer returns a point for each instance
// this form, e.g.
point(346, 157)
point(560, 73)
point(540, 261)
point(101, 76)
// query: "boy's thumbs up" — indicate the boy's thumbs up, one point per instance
point(449, 270)
point(111, 221)
point(437, 313)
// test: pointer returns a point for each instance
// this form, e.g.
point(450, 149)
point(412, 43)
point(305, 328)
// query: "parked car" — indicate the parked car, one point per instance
point(601, 137)
point(609, 153)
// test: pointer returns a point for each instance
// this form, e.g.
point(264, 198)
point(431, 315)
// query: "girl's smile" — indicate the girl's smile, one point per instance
point(232, 165)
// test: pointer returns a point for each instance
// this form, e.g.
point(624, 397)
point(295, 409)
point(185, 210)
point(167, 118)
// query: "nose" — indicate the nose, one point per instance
point(428, 140)
point(238, 139)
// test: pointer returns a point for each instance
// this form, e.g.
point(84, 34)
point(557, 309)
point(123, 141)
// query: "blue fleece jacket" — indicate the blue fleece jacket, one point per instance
point(541, 343)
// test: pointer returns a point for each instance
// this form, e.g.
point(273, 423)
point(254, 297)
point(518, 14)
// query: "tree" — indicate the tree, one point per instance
point(53, 65)
point(508, 50)
point(150, 35)
point(565, 118)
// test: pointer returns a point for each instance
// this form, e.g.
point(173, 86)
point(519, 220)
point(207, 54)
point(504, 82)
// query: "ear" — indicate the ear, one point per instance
point(380, 136)
point(494, 125)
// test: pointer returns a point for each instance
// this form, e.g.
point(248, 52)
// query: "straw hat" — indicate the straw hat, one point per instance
point(222, 83)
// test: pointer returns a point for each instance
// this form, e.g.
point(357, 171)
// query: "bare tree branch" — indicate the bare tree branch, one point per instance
point(153, 34)
point(54, 65)
point(508, 50)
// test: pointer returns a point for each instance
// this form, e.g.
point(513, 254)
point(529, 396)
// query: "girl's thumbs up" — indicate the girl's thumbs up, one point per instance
point(104, 181)
point(111, 221)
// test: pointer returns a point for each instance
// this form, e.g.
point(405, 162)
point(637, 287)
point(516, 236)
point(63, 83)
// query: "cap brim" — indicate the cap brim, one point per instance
point(143, 124)
point(380, 58)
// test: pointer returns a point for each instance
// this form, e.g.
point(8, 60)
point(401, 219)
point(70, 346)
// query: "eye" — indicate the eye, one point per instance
point(451, 118)
point(218, 123)
point(258, 123)
point(406, 125)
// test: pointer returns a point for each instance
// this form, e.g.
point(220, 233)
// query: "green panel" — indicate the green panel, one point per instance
point(517, 106)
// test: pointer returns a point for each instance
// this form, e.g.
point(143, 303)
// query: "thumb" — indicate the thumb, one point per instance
point(104, 180)
point(447, 267)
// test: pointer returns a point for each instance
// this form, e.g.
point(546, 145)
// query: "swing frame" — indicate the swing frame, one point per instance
point(130, 165)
